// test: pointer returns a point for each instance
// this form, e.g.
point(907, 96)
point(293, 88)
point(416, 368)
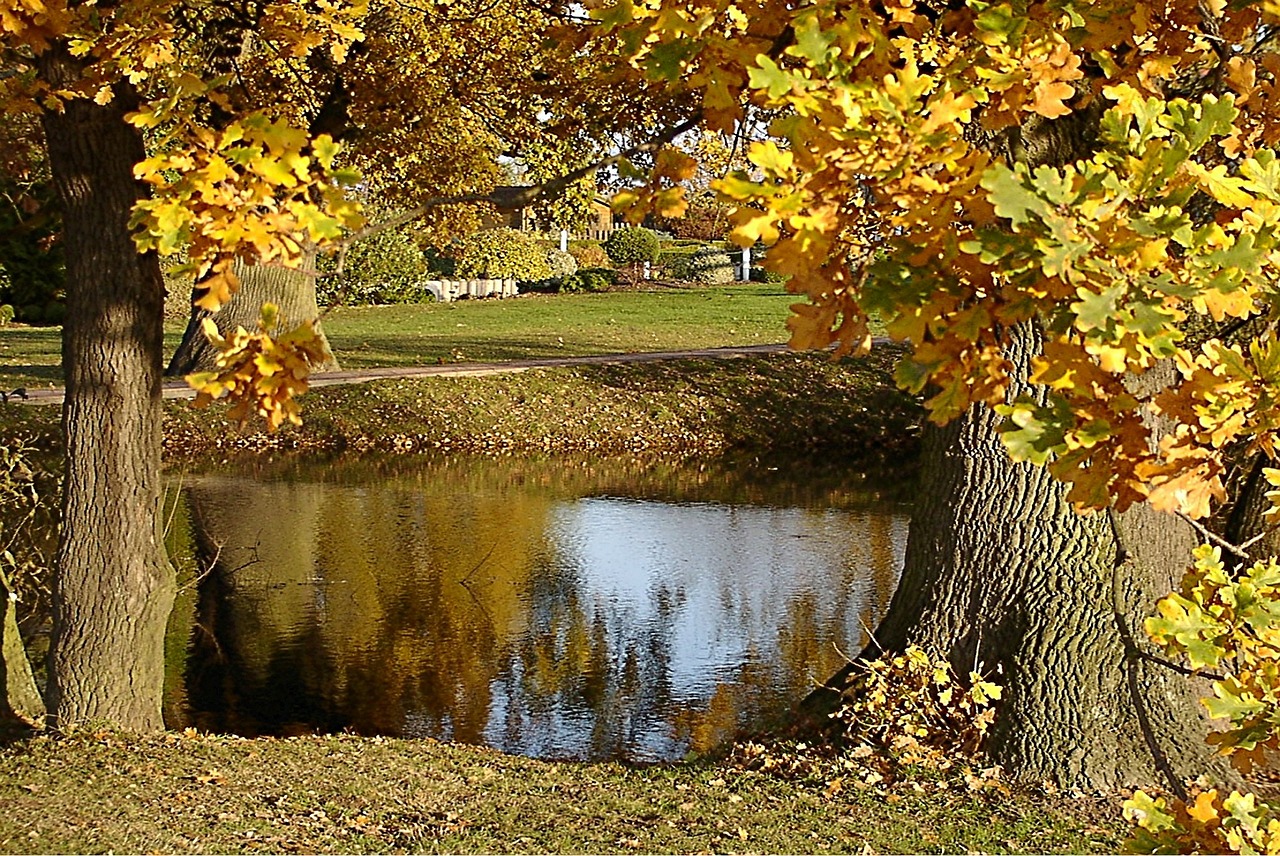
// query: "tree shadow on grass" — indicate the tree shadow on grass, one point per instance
point(792, 402)
point(402, 350)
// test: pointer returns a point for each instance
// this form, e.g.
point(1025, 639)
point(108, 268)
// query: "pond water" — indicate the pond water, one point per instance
point(565, 609)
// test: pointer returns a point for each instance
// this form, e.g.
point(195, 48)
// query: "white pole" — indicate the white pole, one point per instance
point(564, 240)
point(746, 264)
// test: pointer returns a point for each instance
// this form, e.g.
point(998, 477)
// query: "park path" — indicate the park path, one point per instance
point(179, 388)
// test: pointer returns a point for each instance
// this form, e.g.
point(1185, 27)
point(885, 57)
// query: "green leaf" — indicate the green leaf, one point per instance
point(1232, 703)
point(769, 76)
point(1096, 310)
point(1033, 439)
point(812, 42)
point(1012, 199)
point(668, 58)
point(998, 23)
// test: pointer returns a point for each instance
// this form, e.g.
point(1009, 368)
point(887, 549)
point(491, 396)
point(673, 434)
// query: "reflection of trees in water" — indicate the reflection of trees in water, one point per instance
point(439, 607)
point(586, 681)
point(354, 613)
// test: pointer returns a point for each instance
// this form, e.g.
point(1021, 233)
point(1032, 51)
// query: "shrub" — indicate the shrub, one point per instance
point(503, 254)
point(561, 263)
point(631, 246)
point(591, 279)
point(441, 264)
point(709, 266)
point(33, 276)
point(586, 279)
point(385, 268)
point(589, 254)
point(759, 274)
point(674, 258)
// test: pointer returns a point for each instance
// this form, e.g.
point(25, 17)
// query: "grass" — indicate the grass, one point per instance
point(662, 319)
point(105, 792)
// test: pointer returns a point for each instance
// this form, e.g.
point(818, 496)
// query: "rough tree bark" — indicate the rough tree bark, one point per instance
point(1002, 574)
point(113, 587)
point(293, 290)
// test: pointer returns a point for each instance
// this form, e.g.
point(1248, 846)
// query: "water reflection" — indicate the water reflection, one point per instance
point(589, 610)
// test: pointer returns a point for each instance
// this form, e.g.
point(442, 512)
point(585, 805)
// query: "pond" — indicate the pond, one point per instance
point(555, 608)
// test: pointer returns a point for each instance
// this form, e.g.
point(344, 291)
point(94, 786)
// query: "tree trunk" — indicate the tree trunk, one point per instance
point(113, 587)
point(1002, 575)
point(293, 290)
point(20, 702)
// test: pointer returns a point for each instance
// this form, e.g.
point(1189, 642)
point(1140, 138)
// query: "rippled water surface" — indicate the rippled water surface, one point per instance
point(560, 609)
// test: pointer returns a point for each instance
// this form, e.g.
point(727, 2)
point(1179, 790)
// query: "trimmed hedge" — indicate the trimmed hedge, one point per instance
point(632, 246)
point(589, 254)
point(586, 279)
point(709, 266)
point(503, 254)
point(592, 279)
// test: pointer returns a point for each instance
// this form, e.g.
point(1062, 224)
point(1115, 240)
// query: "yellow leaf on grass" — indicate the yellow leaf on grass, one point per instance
point(1204, 809)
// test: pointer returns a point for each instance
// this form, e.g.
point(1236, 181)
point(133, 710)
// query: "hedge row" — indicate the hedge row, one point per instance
point(391, 267)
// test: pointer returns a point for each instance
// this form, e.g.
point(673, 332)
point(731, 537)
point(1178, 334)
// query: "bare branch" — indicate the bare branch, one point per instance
point(1215, 538)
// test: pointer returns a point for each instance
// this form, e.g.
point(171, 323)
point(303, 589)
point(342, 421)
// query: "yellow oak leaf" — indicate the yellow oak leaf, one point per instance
point(1204, 809)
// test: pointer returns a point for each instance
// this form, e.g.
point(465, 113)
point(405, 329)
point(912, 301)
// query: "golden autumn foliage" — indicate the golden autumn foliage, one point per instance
point(260, 372)
point(1103, 170)
point(1105, 173)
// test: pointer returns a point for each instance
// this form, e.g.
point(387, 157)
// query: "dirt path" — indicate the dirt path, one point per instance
point(179, 389)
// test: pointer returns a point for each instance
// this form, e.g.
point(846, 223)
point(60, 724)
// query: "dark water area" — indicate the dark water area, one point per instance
point(557, 608)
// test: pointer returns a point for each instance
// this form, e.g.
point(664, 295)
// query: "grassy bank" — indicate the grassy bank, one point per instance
point(785, 403)
point(183, 793)
point(788, 402)
point(663, 319)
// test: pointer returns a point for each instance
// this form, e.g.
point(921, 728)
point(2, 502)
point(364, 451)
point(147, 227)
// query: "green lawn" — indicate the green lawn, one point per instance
point(665, 319)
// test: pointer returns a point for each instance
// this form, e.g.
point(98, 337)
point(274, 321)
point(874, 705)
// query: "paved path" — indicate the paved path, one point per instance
point(179, 389)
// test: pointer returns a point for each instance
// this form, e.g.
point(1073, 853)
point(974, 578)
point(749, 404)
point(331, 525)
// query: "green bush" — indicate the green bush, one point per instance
point(708, 266)
point(385, 268)
point(631, 246)
point(591, 279)
point(33, 276)
point(589, 254)
point(561, 263)
point(503, 254)
point(675, 257)
point(759, 274)
point(440, 263)
point(586, 279)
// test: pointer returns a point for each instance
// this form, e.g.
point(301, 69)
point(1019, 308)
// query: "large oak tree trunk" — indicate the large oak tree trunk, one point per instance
point(113, 587)
point(292, 290)
point(1003, 575)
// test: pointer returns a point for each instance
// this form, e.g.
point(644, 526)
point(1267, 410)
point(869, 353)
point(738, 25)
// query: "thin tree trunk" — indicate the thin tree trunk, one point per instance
point(113, 587)
point(293, 290)
point(1002, 575)
point(20, 702)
